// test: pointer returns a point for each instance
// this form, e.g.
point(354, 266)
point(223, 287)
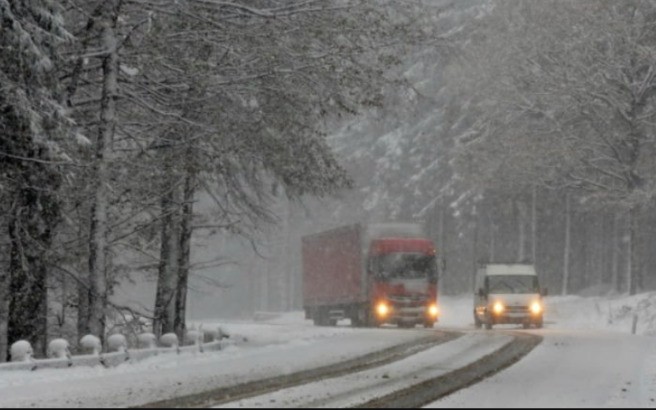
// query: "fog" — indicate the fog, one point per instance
point(142, 177)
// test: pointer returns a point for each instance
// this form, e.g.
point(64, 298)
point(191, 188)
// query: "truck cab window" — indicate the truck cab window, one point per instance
point(402, 265)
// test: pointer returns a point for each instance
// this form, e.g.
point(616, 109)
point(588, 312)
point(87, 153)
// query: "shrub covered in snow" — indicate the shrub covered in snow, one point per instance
point(59, 348)
point(223, 333)
point(217, 334)
point(147, 341)
point(117, 343)
point(193, 337)
point(169, 340)
point(21, 351)
point(209, 336)
point(91, 344)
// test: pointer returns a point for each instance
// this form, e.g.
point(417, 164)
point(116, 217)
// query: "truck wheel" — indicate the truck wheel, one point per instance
point(315, 314)
point(359, 318)
point(488, 325)
point(538, 323)
point(321, 317)
point(371, 320)
point(429, 324)
point(477, 323)
point(526, 325)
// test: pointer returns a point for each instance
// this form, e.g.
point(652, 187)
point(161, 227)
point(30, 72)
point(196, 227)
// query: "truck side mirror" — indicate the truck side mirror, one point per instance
point(544, 292)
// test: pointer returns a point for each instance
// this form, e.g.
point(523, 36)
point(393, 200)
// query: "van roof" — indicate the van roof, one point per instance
point(509, 269)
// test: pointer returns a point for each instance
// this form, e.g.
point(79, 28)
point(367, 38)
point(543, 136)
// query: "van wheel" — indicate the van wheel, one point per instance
point(488, 325)
point(477, 323)
point(526, 325)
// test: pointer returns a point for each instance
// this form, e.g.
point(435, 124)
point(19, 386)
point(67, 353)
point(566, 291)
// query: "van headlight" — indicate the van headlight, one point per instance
point(498, 308)
point(536, 308)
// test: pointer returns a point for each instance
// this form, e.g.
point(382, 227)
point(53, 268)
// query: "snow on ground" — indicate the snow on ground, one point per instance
point(613, 313)
point(588, 358)
point(571, 368)
point(290, 343)
point(270, 349)
point(358, 388)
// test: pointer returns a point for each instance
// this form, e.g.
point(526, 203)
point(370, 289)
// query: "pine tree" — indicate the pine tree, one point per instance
point(32, 159)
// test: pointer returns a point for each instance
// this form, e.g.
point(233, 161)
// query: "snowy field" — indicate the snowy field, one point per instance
point(288, 343)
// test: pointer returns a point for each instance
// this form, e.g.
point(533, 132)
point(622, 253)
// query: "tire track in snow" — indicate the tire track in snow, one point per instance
point(231, 393)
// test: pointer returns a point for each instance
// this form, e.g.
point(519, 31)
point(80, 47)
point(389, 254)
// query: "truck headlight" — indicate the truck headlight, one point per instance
point(536, 308)
point(498, 308)
point(383, 309)
point(433, 310)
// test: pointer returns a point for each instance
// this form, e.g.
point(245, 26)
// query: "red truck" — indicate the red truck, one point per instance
point(372, 274)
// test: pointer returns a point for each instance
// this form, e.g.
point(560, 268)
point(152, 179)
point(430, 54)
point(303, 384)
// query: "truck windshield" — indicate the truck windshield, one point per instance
point(405, 265)
point(512, 284)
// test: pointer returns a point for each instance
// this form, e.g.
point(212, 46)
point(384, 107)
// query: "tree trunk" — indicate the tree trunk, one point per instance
point(492, 239)
point(28, 293)
point(440, 248)
point(184, 258)
point(615, 271)
point(568, 223)
point(265, 286)
point(632, 254)
point(4, 313)
point(83, 287)
point(521, 231)
point(30, 232)
point(534, 224)
point(99, 224)
point(168, 268)
point(474, 249)
point(286, 255)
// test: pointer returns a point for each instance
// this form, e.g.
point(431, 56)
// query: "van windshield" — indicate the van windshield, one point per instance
point(512, 284)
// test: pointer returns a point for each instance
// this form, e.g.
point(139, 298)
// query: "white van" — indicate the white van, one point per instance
point(508, 293)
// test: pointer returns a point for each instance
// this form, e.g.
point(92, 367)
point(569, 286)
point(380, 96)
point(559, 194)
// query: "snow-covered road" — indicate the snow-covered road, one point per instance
point(358, 388)
point(588, 358)
point(571, 368)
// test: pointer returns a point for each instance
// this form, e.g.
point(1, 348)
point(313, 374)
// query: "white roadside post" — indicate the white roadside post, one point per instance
point(118, 343)
point(60, 349)
point(170, 340)
point(21, 351)
point(194, 337)
point(91, 345)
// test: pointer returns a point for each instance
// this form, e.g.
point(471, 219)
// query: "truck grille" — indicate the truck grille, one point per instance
point(408, 301)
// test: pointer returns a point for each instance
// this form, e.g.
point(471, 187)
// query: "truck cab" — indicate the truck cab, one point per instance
point(403, 276)
point(508, 294)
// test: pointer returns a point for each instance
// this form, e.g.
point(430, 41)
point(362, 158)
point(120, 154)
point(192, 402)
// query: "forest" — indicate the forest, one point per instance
point(514, 130)
point(524, 132)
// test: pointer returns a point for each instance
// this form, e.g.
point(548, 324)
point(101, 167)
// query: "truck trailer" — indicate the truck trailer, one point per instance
point(371, 273)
